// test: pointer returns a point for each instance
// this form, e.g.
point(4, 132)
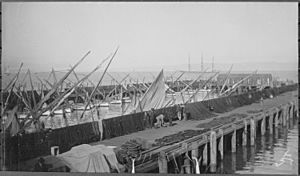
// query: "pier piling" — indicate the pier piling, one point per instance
point(244, 143)
point(276, 117)
point(195, 153)
point(280, 116)
point(291, 110)
point(297, 108)
point(263, 126)
point(221, 148)
point(162, 162)
point(213, 151)
point(204, 155)
point(271, 115)
point(233, 139)
point(187, 164)
point(284, 113)
point(252, 131)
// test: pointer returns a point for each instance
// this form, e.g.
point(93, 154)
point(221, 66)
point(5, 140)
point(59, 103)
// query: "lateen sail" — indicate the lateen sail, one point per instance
point(154, 96)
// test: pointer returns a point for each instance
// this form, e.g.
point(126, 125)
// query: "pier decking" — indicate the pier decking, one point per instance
point(269, 113)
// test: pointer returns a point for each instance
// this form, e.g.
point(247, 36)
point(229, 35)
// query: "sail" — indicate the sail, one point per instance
point(155, 96)
point(12, 122)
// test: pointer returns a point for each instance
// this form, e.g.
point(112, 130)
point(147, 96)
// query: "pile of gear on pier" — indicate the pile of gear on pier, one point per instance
point(180, 136)
point(222, 120)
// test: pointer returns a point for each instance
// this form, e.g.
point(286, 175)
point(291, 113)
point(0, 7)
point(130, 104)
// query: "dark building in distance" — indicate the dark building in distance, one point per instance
point(254, 80)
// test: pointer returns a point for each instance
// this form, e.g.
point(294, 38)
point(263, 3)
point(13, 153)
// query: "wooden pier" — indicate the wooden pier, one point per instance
point(207, 148)
point(284, 113)
point(210, 145)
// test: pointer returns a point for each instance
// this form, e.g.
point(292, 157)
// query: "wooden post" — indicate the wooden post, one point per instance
point(213, 151)
point(187, 164)
point(288, 113)
point(195, 151)
point(276, 133)
point(233, 139)
point(245, 154)
point(271, 115)
point(291, 111)
point(297, 111)
point(221, 148)
point(233, 161)
point(204, 155)
point(263, 126)
point(252, 156)
point(276, 117)
point(284, 116)
point(252, 130)
point(280, 116)
point(162, 162)
point(195, 154)
point(297, 108)
point(245, 133)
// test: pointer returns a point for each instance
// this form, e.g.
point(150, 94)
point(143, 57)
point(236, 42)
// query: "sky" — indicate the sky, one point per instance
point(150, 36)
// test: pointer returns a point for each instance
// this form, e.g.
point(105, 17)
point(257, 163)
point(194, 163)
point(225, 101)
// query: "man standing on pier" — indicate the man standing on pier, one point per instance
point(152, 116)
point(178, 110)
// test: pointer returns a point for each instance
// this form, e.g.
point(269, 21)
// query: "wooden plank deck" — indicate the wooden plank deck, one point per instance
point(268, 106)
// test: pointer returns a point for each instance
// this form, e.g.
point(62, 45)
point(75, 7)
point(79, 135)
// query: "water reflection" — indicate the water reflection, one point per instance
point(275, 153)
point(272, 154)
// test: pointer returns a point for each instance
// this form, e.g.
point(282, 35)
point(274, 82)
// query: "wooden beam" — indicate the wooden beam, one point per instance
point(162, 163)
point(252, 131)
point(244, 143)
point(221, 142)
point(271, 119)
point(233, 139)
point(213, 151)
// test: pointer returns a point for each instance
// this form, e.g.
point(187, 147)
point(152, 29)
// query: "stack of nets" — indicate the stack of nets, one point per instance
point(178, 137)
point(254, 111)
point(128, 150)
point(222, 120)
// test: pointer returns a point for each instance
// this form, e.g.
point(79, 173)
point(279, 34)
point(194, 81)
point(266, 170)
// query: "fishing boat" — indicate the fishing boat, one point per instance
point(116, 102)
point(81, 107)
point(104, 104)
point(127, 99)
point(57, 112)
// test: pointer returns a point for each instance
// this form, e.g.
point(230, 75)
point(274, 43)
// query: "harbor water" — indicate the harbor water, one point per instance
point(275, 153)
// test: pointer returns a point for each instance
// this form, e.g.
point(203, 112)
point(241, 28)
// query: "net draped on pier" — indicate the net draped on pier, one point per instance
point(38, 144)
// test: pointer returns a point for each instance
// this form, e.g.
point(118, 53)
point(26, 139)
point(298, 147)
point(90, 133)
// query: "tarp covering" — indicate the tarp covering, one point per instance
point(87, 158)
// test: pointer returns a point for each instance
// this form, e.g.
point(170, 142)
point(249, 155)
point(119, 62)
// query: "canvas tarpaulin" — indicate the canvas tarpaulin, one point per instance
point(87, 158)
